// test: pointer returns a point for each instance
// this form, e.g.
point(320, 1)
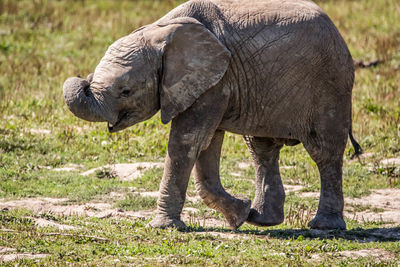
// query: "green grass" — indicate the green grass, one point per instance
point(44, 42)
point(136, 202)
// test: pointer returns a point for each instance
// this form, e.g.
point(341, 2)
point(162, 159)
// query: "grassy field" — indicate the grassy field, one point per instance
point(44, 42)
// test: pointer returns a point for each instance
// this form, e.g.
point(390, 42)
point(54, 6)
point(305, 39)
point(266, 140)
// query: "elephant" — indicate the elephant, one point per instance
point(277, 72)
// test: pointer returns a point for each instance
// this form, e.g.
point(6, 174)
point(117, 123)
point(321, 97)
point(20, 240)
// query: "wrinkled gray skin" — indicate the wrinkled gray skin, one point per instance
point(277, 72)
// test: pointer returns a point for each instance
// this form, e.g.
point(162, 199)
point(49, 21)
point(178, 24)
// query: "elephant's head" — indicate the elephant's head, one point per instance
point(162, 65)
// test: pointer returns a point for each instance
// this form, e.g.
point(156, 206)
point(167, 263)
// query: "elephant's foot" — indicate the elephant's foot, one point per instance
point(325, 221)
point(238, 212)
point(163, 222)
point(265, 218)
point(268, 211)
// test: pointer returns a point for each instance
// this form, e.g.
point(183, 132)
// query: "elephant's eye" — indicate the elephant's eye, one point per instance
point(125, 93)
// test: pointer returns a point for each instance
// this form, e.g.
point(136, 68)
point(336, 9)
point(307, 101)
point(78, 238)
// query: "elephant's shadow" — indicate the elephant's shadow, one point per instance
point(357, 234)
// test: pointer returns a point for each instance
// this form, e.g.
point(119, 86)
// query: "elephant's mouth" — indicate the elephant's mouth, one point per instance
point(112, 128)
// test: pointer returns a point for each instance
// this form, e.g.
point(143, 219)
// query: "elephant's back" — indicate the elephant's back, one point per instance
point(261, 24)
point(241, 14)
point(244, 12)
point(288, 61)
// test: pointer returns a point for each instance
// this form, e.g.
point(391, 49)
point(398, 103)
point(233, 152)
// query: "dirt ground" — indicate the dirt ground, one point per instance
point(382, 205)
point(380, 255)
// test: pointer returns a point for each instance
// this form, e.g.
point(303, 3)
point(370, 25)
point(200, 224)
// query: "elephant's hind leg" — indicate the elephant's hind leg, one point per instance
point(209, 187)
point(267, 208)
point(328, 154)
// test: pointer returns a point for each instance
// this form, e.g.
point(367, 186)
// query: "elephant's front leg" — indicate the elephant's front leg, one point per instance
point(173, 187)
point(191, 132)
point(267, 208)
point(209, 187)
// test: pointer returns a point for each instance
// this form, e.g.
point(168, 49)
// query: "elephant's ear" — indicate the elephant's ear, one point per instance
point(194, 61)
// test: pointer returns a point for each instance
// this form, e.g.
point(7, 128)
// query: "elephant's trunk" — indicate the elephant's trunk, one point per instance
point(80, 99)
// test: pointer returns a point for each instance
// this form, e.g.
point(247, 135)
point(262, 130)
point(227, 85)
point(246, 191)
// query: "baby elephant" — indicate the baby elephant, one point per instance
point(276, 72)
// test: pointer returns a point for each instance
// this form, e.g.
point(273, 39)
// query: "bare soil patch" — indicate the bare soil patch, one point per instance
point(127, 171)
point(192, 216)
point(392, 162)
point(6, 250)
point(203, 221)
point(121, 195)
point(18, 256)
point(100, 210)
point(58, 206)
point(377, 253)
point(383, 205)
point(40, 222)
point(309, 194)
point(292, 188)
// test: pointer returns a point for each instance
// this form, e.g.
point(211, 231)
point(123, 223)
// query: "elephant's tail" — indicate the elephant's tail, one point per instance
point(357, 148)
